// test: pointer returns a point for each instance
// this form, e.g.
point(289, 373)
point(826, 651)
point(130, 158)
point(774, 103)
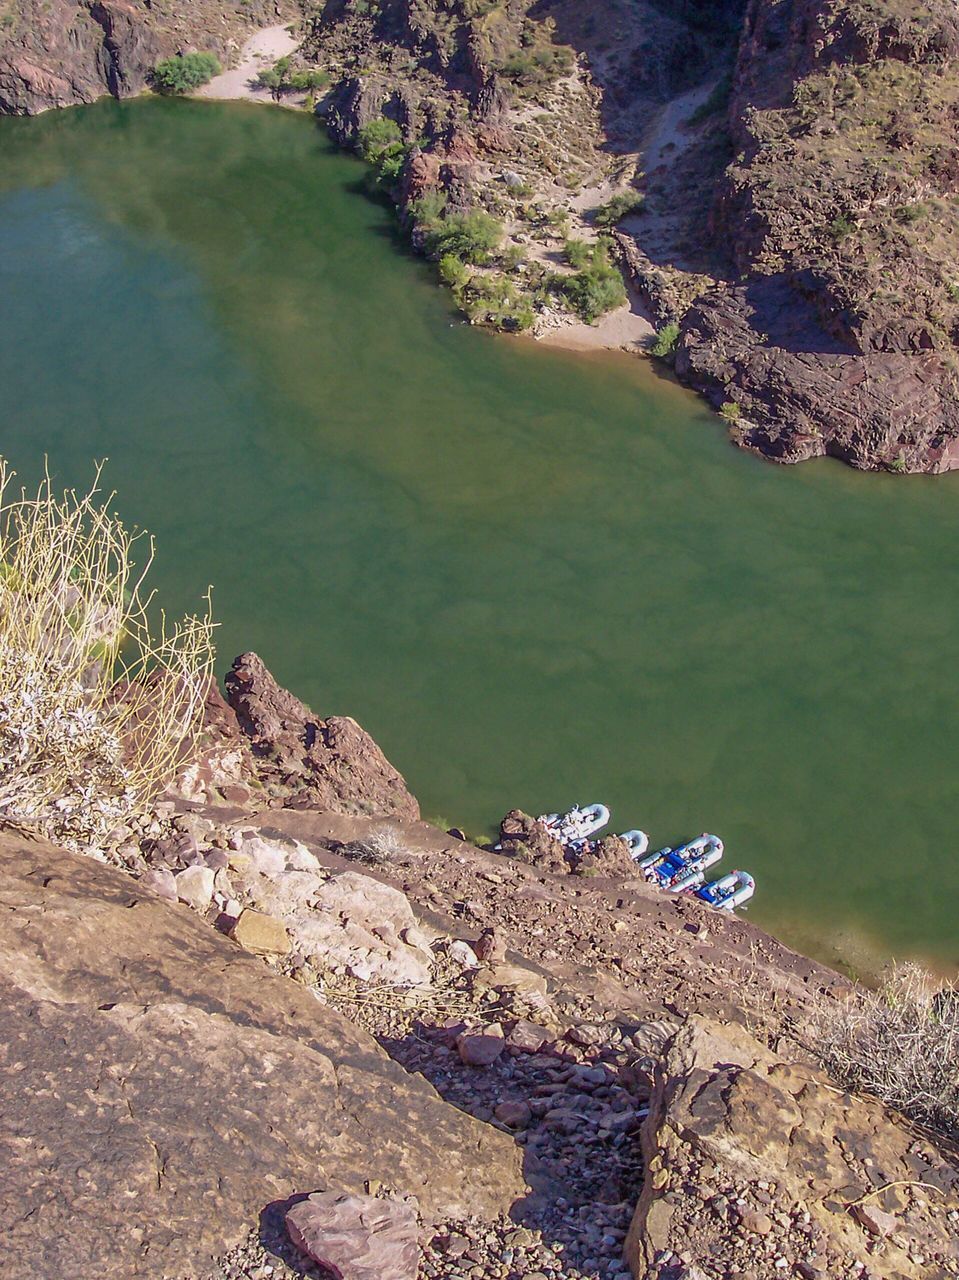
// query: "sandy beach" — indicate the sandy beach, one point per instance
point(260, 51)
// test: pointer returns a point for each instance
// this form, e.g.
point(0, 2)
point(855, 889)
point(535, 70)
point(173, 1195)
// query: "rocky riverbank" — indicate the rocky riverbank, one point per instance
point(774, 181)
point(288, 984)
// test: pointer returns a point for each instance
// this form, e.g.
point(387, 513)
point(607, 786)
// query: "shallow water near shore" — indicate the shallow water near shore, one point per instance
point(535, 577)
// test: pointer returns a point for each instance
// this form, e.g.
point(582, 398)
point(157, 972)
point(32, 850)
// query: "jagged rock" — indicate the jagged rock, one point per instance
point(610, 857)
point(481, 1048)
point(142, 1133)
point(194, 886)
point(357, 1237)
point(261, 934)
point(328, 764)
point(161, 881)
point(490, 947)
point(525, 837)
point(726, 1111)
point(527, 1036)
point(358, 924)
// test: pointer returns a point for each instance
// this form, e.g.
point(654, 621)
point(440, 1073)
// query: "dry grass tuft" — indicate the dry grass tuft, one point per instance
point(97, 706)
point(900, 1043)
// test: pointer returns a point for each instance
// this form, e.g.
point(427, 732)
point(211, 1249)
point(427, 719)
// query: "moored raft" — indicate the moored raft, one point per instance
point(577, 824)
point(729, 892)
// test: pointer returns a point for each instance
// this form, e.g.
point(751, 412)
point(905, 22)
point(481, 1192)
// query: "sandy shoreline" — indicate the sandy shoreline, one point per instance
point(260, 51)
point(628, 328)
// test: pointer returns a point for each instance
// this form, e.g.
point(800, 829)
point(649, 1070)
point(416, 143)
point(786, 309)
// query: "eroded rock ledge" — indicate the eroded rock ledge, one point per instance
point(346, 1000)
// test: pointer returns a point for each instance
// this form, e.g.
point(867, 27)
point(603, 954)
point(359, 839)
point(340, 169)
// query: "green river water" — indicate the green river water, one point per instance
point(535, 577)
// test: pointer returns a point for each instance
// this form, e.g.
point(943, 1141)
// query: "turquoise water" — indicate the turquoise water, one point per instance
point(535, 577)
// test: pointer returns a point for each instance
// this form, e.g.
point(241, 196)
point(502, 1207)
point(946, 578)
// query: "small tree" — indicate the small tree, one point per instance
point(664, 344)
point(597, 288)
point(471, 237)
point(375, 137)
point(185, 71)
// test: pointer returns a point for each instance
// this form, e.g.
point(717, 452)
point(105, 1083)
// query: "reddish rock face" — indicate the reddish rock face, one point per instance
point(331, 764)
point(59, 53)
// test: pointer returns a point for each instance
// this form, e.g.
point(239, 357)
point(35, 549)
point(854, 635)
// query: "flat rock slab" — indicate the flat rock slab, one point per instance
point(357, 1237)
point(159, 1088)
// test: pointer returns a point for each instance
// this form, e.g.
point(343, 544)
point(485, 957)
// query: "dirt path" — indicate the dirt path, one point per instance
point(259, 52)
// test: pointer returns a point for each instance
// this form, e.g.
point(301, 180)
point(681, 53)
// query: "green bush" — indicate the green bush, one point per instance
point(281, 78)
point(664, 344)
point(607, 215)
point(185, 71)
point(717, 101)
point(376, 137)
point(597, 287)
point(453, 271)
point(428, 209)
point(537, 66)
point(496, 301)
point(840, 227)
point(731, 411)
point(578, 254)
point(471, 237)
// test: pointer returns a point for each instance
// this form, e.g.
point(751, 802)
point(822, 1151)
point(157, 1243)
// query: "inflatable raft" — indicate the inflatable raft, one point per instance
point(729, 892)
point(684, 866)
point(577, 824)
point(638, 842)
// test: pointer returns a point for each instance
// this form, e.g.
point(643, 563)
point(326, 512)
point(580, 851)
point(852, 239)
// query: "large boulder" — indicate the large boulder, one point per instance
point(758, 1165)
point(159, 1088)
point(329, 764)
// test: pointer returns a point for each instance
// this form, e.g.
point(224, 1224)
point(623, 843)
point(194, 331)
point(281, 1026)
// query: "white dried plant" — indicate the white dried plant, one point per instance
point(99, 701)
point(899, 1043)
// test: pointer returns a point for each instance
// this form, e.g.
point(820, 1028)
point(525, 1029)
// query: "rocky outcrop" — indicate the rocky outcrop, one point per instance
point(756, 1164)
point(792, 391)
point(159, 1088)
point(58, 53)
point(839, 333)
point(330, 764)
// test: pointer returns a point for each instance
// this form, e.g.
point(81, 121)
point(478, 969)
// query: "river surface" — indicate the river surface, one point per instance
point(535, 577)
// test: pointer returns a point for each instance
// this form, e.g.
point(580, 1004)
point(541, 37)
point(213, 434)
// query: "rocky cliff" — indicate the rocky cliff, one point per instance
point(797, 163)
point(311, 1026)
point(837, 327)
point(57, 53)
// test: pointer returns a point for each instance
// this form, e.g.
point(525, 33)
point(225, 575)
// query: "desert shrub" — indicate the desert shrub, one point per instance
point(900, 1043)
point(512, 256)
point(495, 300)
point(578, 253)
point(99, 701)
point(453, 271)
point(428, 209)
point(841, 227)
point(471, 237)
point(308, 80)
point(608, 214)
point(185, 71)
point(282, 78)
point(538, 65)
point(375, 137)
point(596, 288)
point(664, 344)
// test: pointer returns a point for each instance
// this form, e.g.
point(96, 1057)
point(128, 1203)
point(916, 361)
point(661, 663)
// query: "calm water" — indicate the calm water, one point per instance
point(536, 578)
